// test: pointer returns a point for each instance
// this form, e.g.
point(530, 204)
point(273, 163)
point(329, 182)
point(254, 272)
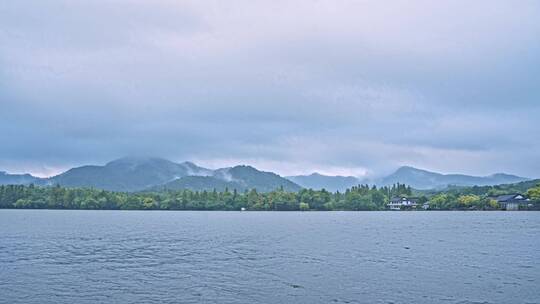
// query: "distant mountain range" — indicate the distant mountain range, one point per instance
point(17, 179)
point(128, 174)
point(240, 178)
point(331, 183)
point(416, 178)
point(131, 174)
point(423, 179)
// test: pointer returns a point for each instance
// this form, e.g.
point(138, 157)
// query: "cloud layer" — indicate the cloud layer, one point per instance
point(342, 87)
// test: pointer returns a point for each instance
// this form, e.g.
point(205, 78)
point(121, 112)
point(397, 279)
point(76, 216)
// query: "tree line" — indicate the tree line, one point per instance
point(361, 197)
point(482, 197)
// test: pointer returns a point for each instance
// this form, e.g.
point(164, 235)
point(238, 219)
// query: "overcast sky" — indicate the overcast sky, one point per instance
point(338, 87)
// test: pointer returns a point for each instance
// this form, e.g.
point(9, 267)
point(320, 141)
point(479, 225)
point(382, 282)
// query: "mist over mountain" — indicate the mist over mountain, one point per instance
point(318, 181)
point(240, 178)
point(17, 179)
point(250, 177)
point(127, 174)
point(423, 179)
point(416, 178)
point(199, 183)
point(152, 174)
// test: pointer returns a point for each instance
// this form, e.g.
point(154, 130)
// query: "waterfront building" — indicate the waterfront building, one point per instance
point(402, 203)
point(512, 202)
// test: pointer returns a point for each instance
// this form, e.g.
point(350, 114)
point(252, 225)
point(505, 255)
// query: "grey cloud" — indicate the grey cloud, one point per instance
point(320, 85)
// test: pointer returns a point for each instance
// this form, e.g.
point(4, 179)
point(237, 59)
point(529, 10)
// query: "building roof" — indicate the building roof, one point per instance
point(404, 199)
point(510, 198)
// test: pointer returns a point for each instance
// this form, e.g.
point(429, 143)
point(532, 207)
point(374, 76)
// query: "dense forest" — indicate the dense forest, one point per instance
point(480, 197)
point(362, 197)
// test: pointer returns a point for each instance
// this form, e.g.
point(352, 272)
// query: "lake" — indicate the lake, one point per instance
point(57, 256)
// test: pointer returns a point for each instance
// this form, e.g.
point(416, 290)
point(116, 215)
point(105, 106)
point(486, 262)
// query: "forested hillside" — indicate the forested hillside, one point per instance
point(362, 197)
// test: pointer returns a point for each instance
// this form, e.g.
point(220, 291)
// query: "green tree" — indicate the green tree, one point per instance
point(148, 203)
point(439, 201)
point(466, 201)
point(534, 193)
point(493, 204)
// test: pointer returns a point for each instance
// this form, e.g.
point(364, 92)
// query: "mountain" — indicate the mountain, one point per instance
point(152, 173)
point(140, 174)
point(18, 179)
point(499, 189)
point(249, 178)
point(200, 183)
point(318, 181)
point(423, 179)
point(240, 178)
point(128, 174)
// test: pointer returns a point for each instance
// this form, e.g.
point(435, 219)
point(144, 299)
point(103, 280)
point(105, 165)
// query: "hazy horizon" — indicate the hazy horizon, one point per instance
point(368, 177)
point(341, 88)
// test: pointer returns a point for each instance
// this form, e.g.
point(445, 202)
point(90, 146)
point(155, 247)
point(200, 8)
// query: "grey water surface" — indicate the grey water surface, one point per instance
point(54, 256)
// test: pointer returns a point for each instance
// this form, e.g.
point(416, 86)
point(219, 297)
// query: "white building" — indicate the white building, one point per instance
point(402, 203)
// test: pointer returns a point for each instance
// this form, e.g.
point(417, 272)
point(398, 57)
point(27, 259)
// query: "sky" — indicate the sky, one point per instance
point(338, 87)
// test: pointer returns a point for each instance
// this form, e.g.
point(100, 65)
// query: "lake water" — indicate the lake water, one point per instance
point(49, 256)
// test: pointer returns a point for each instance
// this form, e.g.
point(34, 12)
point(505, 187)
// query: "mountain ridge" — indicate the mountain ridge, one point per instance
point(17, 179)
point(241, 178)
point(131, 174)
point(319, 181)
point(423, 179)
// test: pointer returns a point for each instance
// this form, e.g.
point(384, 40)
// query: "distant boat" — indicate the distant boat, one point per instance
point(242, 209)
